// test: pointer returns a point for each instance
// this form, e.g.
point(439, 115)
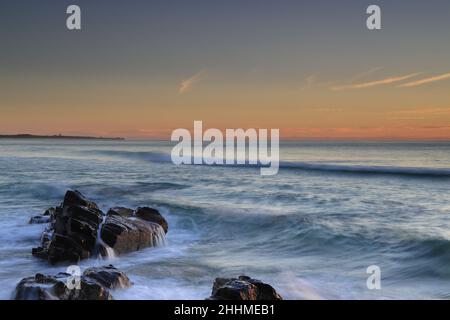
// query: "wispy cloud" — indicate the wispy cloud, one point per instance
point(426, 81)
point(309, 82)
point(187, 84)
point(364, 74)
point(423, 111)
point(401, 132)
point(312, 82)
point(375, 83)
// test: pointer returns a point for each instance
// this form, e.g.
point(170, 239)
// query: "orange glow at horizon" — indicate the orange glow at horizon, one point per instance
point(152, 110)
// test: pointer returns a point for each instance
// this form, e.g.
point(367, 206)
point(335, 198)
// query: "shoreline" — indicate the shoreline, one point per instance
point(62, 137)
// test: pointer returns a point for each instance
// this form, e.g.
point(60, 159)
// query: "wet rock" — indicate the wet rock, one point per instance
point(66, 248)
point(75, 226)
point(94, 284)
point(152, 215)
point(75, 198)
point(72, 234)
point(42, 287)
point(39, 287)
point(121, 211)
point(124, 234)
point(46, 217)
point(243, 288)
point(49, 212)
point(39, 219)
point(108, 276)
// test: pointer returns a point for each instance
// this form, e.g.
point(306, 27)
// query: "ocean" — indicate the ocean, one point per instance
point(311, 231)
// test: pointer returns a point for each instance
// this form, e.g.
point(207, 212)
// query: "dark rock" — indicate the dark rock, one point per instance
point(46, 217)
point(130, 234)
point(95, 284)
point(66, 248)
point(265, 291)
point(39, 219)
point(42, 287)
point(39, 287)
point(121, 211)
point(108, 276)
point(39, 252)
point(49, 212)
point(242, 288)
point(42, 252)
point(75, 198)
point(152, 215)
point(236, 290)
point(72, 234)
point(74, 228)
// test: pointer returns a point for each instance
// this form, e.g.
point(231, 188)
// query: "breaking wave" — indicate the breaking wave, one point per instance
point(414, 171)
point(304, 166)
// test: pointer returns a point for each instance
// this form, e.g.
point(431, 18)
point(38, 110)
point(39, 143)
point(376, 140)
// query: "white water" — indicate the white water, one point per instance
point(159, 236)
point(110, 254)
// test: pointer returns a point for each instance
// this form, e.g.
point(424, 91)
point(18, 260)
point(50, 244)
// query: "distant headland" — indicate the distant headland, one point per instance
point(59, 136)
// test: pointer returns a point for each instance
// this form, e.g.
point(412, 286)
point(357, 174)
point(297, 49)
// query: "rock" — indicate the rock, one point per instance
point(242, 288)
point(152, 215)
point(95, 284)
point(236, 290)
point(72, 234)
point(50, 212)
point(39, 219)
point(39, 287)
point(108, 276)
point(75, 198)
point(121, 211)
point(66, 248)
point(124, 234)
point(75, 226)
point(265, 291)
point(43, 218)
point(42, 287)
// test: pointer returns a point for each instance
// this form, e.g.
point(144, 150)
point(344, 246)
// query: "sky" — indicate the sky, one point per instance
point(139, 69)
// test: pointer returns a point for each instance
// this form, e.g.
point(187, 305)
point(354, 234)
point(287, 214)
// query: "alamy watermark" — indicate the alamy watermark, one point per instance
point(374, 280)
point(373, 22)
point(73, 282)
point(235, 147)
point(73, 21)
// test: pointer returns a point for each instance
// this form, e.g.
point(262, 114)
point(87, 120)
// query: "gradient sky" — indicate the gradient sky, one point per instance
point(143, 68)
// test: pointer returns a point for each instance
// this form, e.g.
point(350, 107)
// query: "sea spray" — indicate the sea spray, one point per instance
point(108, 252)
point(158, 236)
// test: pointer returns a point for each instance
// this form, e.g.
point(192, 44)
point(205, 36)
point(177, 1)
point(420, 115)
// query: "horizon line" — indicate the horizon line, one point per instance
point(286, 139)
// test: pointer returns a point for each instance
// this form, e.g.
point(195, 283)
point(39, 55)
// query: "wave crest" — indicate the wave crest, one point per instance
point(293, 165)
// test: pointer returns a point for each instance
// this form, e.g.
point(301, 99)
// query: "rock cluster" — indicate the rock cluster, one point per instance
point(94, 284)
point(242, 288)
point(78, 229)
